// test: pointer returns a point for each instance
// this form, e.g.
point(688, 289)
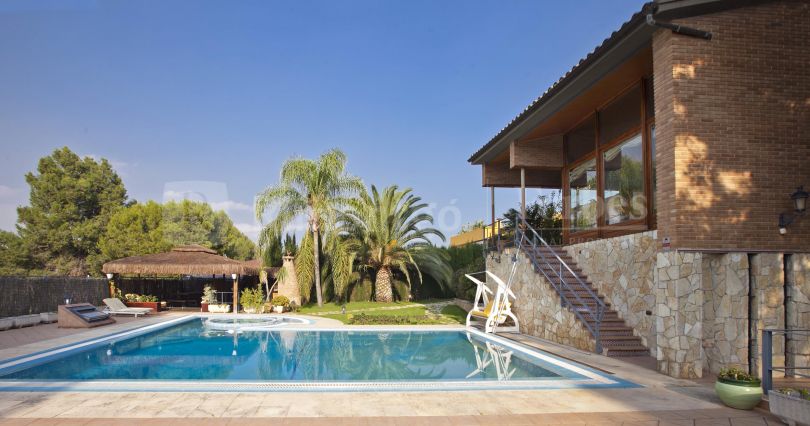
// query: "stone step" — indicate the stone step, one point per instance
point(627, 352)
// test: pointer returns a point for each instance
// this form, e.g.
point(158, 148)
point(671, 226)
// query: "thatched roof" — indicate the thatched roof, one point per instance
point(257, 265)
point(182, 260)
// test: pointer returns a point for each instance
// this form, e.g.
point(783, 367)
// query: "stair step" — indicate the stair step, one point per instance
point(622, 338)
point(622, 353)
point(616, 337)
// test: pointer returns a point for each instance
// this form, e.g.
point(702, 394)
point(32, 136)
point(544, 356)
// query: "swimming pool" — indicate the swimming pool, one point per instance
point(187, 355)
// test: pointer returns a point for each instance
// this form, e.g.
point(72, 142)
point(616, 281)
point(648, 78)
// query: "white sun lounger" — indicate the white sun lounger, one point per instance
point(117, 307)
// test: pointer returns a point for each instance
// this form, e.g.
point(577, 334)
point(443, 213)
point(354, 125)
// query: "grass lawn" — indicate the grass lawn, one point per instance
point(455, 312)
point(371, 313)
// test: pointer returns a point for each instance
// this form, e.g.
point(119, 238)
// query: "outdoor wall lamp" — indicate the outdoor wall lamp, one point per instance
point(233, 276)
point(110, 276)
point(799, 205)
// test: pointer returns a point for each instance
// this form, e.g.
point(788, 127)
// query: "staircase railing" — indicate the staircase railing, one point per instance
point(590, 315)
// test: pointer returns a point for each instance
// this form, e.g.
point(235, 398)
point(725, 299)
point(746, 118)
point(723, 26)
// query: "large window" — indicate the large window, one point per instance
point(624, 181)
point(610, 168)
point(652, 169)
point(620, 117)
point(579, 142)
point(583, 196)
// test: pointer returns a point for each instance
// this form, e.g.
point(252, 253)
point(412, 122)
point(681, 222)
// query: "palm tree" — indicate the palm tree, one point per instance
point(316, 189)
point(387, 233)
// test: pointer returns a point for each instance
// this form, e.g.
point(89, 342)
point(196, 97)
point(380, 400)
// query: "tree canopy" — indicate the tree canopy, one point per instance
point(153, 228)
point(79, 217)
point(71, 202)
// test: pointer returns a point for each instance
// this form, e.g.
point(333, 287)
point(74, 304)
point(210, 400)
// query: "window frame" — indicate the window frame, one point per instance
point(602, 229)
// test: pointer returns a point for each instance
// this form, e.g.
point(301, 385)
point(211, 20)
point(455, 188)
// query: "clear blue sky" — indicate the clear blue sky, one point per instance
point(225, 91)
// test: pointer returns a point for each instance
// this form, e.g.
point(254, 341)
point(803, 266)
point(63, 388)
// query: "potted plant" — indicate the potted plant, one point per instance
point(791, 405)
point(209, 298)
point(280, 303)
point(142, 301)
point(738, 389)
point(253, 300)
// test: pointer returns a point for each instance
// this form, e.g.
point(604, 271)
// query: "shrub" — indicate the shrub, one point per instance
point(252, 297)
point(736, 375)
point(209, 295)
point(281, 301)
point(364, 319)
point(796, 393)
point(134, 298)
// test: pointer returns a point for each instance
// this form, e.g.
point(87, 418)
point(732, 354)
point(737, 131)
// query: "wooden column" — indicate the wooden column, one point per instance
point(235, 293)
point(492, 206)
point(523, 192)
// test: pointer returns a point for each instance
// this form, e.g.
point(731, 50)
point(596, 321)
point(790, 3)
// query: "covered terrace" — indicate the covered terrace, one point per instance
point(179, 276)
point(590, 135)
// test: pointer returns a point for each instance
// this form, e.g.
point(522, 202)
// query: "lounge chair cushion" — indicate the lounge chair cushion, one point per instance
point(488, 310)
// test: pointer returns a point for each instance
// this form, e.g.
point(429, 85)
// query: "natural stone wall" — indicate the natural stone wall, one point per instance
point(798, 310)
point(679, 314)
point(725, 311)
point(767, 275)
point(621, 268)
point(538, 305)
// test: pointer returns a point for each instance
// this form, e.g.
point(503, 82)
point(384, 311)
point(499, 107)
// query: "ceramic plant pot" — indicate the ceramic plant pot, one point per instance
point(219, 309)
point(278, 309)
point(738, 394)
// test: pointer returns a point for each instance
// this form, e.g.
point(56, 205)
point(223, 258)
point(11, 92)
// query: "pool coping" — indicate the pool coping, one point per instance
point(593, 377)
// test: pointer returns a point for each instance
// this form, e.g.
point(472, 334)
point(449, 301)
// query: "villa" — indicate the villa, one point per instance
point(678, 144)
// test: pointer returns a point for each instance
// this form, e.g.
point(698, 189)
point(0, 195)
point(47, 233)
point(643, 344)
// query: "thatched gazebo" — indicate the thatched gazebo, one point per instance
point(189, 260)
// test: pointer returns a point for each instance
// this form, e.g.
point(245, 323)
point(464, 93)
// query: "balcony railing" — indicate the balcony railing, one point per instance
point(767, 356)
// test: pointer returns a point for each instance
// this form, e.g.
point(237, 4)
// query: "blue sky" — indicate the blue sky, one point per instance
point(212, 96)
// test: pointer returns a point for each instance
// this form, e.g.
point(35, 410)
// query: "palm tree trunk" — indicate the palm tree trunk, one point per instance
point(317, 249)
point(382, 286)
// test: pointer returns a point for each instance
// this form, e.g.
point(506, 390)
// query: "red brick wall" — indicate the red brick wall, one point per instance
point(733, 128)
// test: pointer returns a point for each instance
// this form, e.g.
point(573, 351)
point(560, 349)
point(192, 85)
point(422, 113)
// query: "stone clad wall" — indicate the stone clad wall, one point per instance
point(621, 268)
point(798, 310)
point(725, 311)
point(679, 314)
point(538, 305)
point(767, 275)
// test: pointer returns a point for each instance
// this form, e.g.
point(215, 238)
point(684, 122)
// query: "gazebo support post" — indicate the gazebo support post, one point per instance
point(235, 278)
point(111, 281)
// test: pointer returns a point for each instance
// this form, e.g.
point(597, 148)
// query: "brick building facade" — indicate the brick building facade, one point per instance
point(676, 149)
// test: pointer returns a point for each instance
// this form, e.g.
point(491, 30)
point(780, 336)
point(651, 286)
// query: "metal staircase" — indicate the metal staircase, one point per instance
point(612, 336)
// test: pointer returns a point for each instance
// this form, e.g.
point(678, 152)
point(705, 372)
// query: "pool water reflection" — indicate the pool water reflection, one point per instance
point(190, 351)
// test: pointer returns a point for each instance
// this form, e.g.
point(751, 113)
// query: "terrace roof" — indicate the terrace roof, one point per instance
point(182, 260)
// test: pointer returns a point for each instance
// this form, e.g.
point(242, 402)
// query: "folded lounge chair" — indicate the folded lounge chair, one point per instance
point(493, 312)
point(117, 307)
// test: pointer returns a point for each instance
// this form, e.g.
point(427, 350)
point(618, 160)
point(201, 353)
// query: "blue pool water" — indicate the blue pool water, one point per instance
point(190, 351)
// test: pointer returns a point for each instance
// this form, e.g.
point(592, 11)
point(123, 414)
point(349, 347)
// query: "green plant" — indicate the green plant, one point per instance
point(315, 188)
point(252, 297)
point(389, 232)
point(209, 295)
point(735, 374)
point(147, 298)
point(130, 297)
point(281, 301)
point(796, 393)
